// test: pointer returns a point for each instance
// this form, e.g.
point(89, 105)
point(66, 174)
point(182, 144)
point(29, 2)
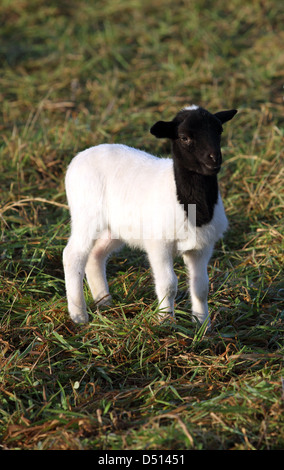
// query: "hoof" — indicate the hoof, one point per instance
point(166, 317)
point(80, 318)
point(105, 301)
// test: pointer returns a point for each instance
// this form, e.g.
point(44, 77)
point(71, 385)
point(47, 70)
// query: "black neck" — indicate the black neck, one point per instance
point(194, 188)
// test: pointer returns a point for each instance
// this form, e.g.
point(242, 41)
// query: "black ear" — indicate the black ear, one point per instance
point(225, 116)
point(163, 129)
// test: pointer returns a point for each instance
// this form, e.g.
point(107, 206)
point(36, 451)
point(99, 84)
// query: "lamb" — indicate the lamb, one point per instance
point(118, 194)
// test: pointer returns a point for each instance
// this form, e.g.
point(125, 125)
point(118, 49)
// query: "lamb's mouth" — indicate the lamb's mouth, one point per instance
point(213, 169)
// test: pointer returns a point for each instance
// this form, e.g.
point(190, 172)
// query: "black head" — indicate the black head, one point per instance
point(196, 138)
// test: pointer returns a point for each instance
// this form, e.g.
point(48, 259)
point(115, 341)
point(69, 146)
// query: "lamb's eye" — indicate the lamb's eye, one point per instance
point(185, 139)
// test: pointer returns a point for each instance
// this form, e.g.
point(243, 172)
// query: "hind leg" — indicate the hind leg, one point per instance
point(96, 267)
point(74, 261)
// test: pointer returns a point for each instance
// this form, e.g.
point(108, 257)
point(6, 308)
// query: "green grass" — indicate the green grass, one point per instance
point(76, 74)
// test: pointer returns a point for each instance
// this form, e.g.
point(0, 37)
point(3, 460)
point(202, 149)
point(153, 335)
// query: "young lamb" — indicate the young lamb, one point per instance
point(117, 194)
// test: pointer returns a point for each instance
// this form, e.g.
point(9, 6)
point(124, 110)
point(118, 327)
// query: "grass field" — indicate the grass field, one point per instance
point(75, 74)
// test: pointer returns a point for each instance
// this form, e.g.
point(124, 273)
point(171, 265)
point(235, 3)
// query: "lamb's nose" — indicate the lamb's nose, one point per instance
point(213, 157)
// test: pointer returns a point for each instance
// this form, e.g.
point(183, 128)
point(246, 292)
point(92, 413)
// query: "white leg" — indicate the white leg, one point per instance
point(96, 268)
point(197, 262)
point(161, 260)
point(74, 261)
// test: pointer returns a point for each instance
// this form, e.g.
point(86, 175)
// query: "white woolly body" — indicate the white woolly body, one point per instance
point(132, 194)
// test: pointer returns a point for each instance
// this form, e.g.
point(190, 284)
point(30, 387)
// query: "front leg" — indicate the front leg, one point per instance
point(161, 259)
point(197, 262)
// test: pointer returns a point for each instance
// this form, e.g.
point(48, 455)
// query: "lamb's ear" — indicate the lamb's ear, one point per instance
point(225, 116)
point(164, 129)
